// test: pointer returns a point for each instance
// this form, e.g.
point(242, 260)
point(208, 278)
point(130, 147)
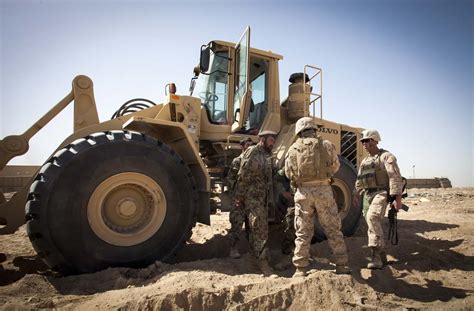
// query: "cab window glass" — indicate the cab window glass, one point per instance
point(212, 88)
point(258, 108)
point(241, 74)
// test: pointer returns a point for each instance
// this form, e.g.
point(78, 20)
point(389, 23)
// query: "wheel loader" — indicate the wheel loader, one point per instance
point(128, 191)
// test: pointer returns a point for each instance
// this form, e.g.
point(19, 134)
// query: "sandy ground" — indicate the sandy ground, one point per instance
point(431, 268)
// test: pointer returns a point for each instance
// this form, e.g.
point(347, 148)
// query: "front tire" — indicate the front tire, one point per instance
point(111, 199)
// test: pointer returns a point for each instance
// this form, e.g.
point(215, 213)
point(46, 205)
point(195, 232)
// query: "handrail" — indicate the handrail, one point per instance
point(318, 72)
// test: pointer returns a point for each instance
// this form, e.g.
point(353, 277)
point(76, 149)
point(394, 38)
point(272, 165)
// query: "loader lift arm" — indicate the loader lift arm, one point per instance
point(12, 213)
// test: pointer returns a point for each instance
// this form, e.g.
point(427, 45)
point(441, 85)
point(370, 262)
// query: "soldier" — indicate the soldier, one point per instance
point(237, 215)
point(285, 210)
point(378, 177)
point(310, 164)
point(252, 194)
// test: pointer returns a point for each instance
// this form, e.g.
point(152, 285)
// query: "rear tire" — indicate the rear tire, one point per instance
point(343, 186)
point(111, 199)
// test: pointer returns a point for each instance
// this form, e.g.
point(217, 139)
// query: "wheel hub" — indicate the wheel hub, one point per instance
point(342, 197)
point(126, 209)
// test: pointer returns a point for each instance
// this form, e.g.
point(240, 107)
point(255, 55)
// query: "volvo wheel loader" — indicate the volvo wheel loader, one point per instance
point(128, 191)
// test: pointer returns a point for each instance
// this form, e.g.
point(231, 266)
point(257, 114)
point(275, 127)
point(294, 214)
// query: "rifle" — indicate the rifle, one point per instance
point(392, 214)
point(403, 207)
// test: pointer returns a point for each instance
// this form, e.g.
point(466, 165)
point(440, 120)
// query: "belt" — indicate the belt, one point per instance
point(314, 183)
point(370, 190)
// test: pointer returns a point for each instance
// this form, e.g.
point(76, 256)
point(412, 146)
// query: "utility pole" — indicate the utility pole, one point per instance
point(413, 171)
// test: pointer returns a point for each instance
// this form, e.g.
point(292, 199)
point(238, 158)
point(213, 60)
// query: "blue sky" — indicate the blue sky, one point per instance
point(402, 67)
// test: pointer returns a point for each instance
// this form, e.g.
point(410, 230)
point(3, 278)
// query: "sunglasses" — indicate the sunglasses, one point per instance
point(365, 140)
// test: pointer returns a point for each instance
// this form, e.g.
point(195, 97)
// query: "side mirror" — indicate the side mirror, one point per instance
point(236, 115)
point(205, 58)
point(196, 71)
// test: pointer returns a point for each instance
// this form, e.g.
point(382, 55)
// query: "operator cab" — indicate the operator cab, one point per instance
point(232, 83)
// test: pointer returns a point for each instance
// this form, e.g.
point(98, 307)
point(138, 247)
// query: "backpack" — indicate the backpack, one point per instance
point(312, 160)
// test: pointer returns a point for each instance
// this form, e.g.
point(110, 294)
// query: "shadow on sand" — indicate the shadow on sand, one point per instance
point(414, 253)
point(25, 265)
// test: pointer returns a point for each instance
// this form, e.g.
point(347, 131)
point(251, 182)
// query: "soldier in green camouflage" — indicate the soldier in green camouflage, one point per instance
point(252, 194)
point(285, 210)
point(236, 215)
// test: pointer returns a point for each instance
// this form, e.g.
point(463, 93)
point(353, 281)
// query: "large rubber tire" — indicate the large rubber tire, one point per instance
point(343, 186)
point(98, 203)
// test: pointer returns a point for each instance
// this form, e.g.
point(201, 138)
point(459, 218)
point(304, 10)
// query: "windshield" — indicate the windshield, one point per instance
point(212, 88)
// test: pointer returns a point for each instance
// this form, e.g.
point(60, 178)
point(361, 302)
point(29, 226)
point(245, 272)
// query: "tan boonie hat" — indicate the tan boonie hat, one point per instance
point(267, 133)
point(370, 134)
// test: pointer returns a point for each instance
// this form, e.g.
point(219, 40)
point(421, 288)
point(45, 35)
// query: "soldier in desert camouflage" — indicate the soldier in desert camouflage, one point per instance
point(252, 194)
point(310, 164)
point(378, 177)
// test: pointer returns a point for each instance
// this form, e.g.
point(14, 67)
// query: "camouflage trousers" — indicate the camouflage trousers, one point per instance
point(237, 218)
point(375, 214)
point(255, 211)
point(288, 243)
point(319, 200)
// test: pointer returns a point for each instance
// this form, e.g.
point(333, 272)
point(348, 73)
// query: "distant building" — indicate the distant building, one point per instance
point(14, 177)
point(437, 182)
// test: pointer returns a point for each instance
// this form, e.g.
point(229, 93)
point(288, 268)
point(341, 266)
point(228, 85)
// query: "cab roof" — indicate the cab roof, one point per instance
point(252, 50)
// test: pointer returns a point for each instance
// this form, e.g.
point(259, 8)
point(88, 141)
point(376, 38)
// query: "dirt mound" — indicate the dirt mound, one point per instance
point(432, 267)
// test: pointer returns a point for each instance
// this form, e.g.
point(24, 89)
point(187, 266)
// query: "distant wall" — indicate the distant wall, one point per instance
point(14, 177)
point(437, 182)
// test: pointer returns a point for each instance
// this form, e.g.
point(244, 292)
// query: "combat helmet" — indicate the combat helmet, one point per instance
point(370, 134)
point(304, 123)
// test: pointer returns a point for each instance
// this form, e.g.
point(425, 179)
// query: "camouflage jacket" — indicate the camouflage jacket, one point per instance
point(255, 174)
point(386, 162)
point(234, 171)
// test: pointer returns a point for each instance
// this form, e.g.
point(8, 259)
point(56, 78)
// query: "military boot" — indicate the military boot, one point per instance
point(234, 252)
point(343, 269)
point(375, 260)
point(285, 263)
point(265, 268)
point(300, 272)
point(383, 257)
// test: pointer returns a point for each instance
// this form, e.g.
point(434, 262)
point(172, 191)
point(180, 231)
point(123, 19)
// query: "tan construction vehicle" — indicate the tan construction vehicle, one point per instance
point(128, 191)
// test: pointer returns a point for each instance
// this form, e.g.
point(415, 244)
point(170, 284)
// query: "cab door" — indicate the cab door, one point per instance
point(242, 91)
